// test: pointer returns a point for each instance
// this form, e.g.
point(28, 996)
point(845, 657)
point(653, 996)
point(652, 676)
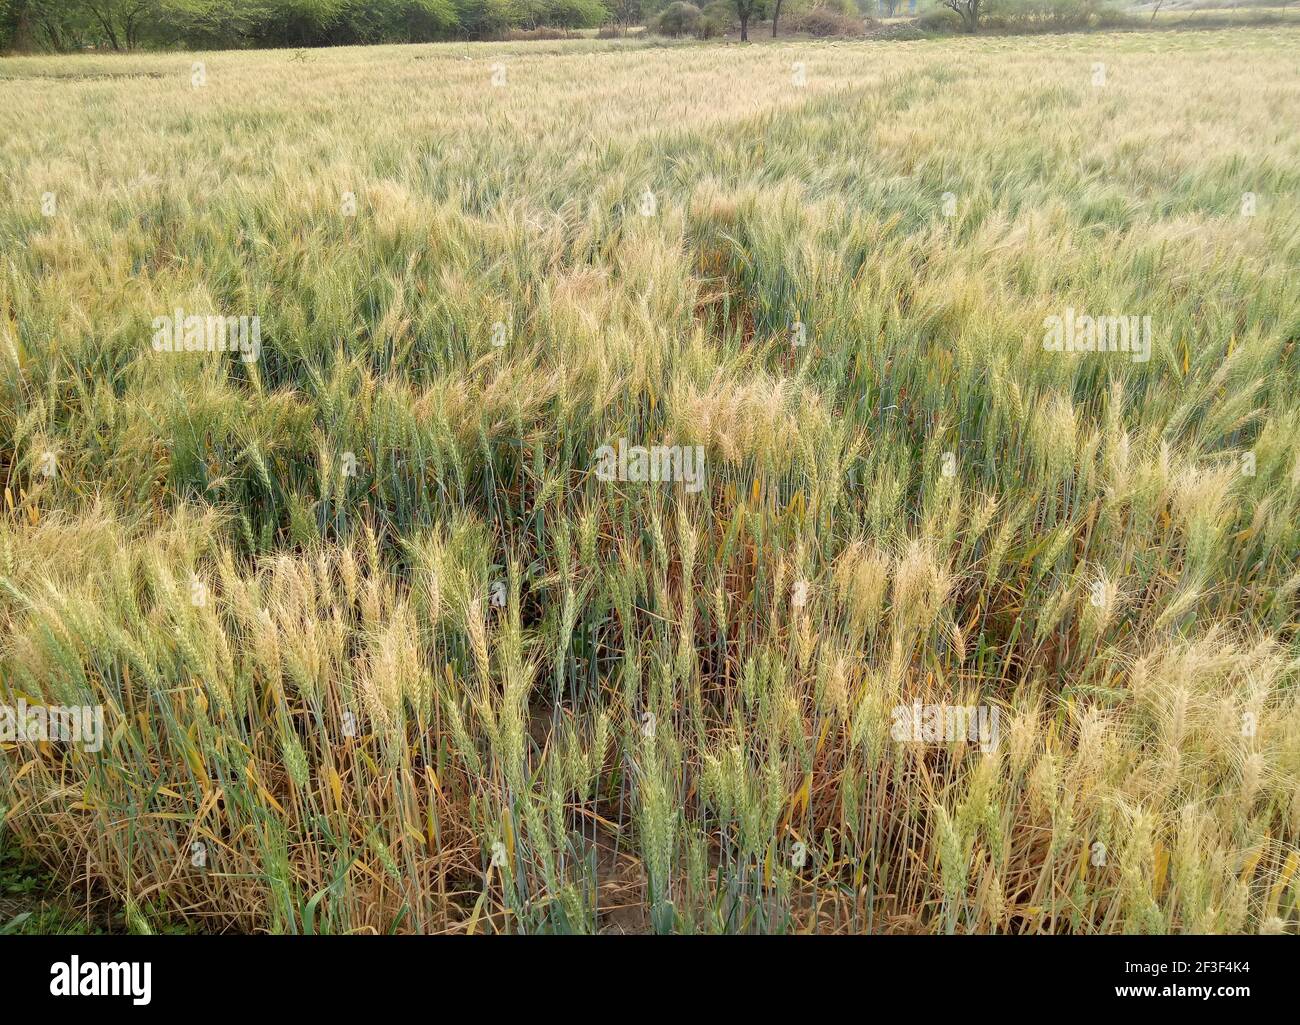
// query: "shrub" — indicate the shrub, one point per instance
point(939, 19)
point(716, 19)
point(574, 13)
point(1031, 16)
point(542, 32)
point(823, 23)
point(677, 19)
point(898, 30)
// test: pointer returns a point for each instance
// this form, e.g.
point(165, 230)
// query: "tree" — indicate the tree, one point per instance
point(574, 13)
point(121, 21)
point(678, 19)
point(746, 9)
point(58, 25)
point(968, 10)
point(776, 16)
point(627, 12)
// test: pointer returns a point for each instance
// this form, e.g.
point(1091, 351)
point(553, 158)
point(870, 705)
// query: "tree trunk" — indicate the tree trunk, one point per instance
point(107, 25)
point(744, 28)
point(23, 34)
point(776, 15)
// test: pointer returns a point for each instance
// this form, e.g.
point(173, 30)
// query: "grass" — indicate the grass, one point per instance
point(26, 905)
point(367, 628)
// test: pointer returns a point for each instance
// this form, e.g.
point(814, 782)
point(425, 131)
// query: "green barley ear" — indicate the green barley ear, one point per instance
point(464, 746)
point(588, 529)
point(136, 922)
point(954, 863)
point(595, 761)
point(295, 759)
point(871, 722)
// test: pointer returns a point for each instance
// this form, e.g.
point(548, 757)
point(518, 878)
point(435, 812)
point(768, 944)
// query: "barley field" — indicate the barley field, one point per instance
point(378, 647)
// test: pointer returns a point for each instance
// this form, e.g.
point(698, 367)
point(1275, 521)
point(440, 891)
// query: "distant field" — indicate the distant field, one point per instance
point(377, 647)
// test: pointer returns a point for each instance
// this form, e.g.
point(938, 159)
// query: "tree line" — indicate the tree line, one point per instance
point(65, 25)
point(121, 25)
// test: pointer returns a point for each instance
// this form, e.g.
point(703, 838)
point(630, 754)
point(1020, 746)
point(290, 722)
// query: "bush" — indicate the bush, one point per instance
point(716, 19)
point(1032, 16)
point(940, 19)
point(823, 22)
point(1040, 15)
point(574, 13)
point(542, 32)
point(677, 19)
point(898, 30)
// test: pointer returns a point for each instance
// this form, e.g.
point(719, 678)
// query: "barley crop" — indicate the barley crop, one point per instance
point(957, 632)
